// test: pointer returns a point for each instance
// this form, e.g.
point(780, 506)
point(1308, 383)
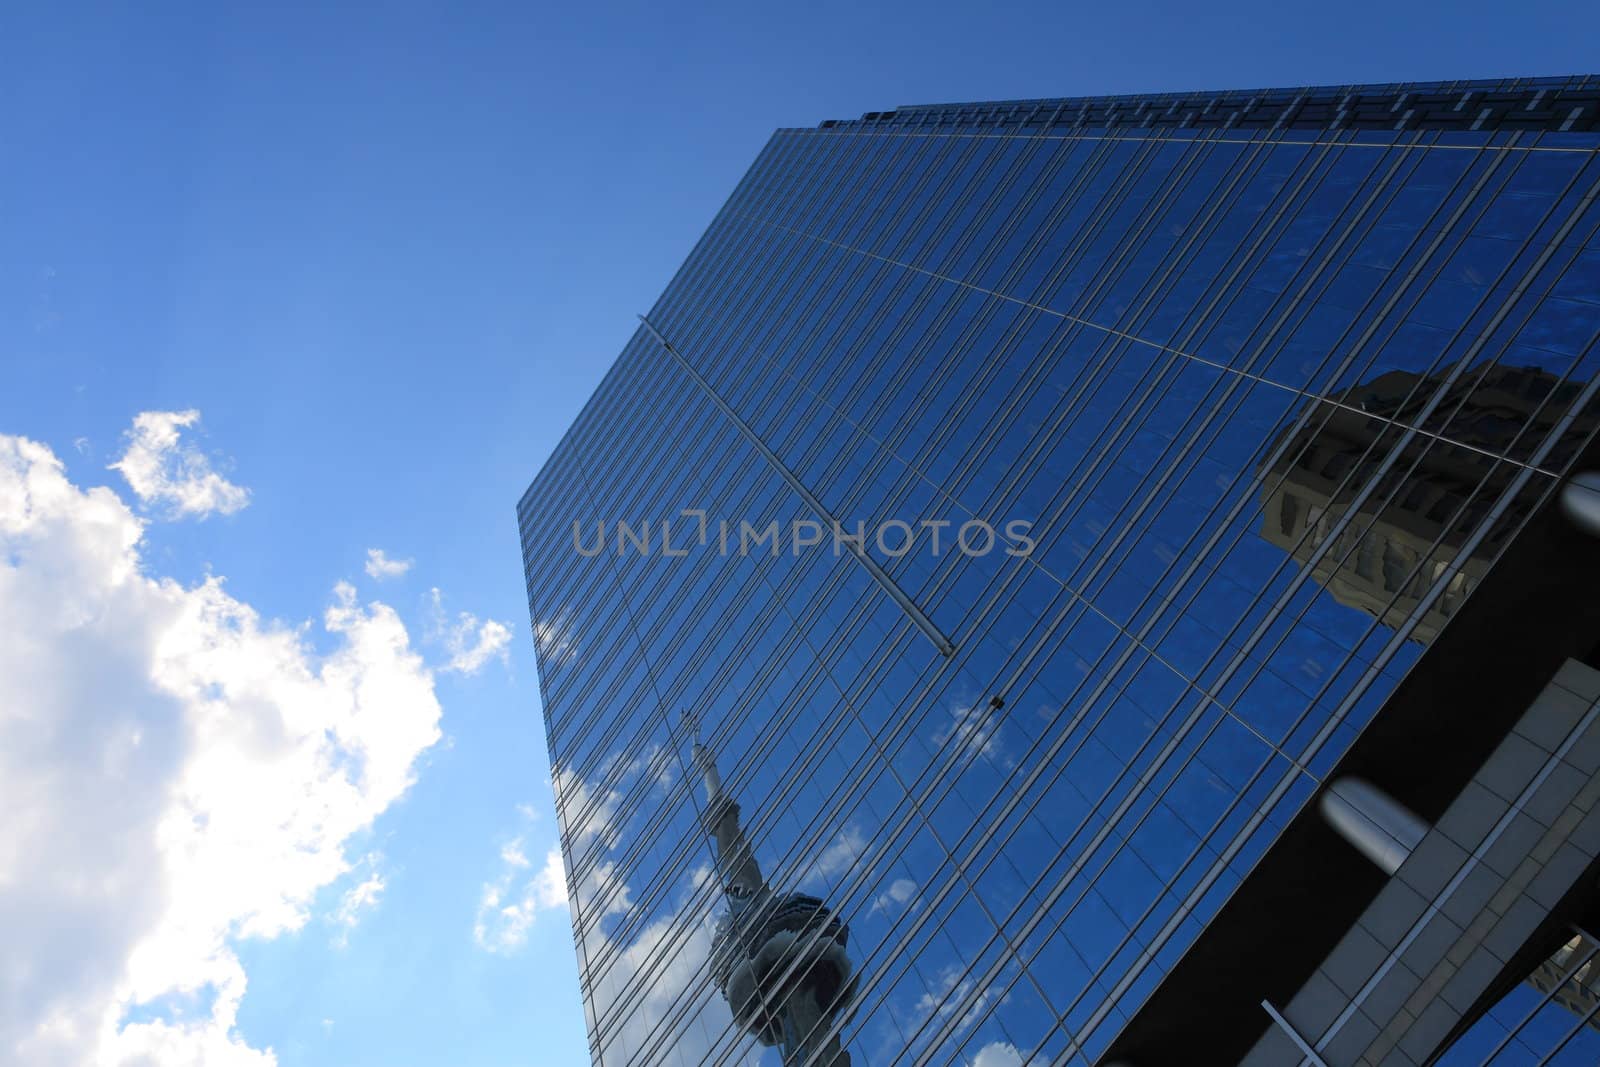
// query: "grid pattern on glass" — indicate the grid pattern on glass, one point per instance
point(1271, 405)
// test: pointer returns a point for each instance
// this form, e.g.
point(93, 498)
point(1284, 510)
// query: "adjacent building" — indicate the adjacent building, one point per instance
point(1102, 580)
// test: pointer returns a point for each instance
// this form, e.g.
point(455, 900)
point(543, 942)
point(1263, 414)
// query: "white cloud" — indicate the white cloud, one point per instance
point(357, 900)
point(510, 903)
point(176, 773)
point(470, 642)
point(171, 476)
point(380, 566)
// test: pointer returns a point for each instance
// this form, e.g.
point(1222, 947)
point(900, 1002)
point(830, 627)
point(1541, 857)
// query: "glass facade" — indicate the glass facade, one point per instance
point(1552, 1018)
point(1249, 390)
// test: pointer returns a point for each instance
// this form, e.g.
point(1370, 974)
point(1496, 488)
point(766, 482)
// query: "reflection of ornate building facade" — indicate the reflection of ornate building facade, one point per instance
point(1070, 799)
point(1571, 978)
point(1430, 494)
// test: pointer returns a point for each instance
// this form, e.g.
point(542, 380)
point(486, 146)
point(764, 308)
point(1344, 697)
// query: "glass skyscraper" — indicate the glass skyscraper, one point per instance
point(1007, 527)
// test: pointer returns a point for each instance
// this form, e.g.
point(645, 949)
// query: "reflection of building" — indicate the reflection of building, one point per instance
point(1433, 492)
point(1093, 799)
point(1571, 978)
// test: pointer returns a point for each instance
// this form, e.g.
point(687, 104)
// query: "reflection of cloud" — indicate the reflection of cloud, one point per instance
point(380, 566)
point(952, 993)
point(975, 728)
point(175, 477)
point(176, 773)
point(660, 972)
point(900, 891)
point(509, 904)
point(588, 819)
point(997, 1054)
point(836, 859)
point(553, 638)
point(470, 642)
point(670, 954)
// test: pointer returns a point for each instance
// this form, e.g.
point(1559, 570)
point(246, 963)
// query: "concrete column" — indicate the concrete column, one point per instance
point(1380, 827)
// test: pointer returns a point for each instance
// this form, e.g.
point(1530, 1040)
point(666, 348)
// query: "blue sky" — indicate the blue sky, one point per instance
point(386, 253)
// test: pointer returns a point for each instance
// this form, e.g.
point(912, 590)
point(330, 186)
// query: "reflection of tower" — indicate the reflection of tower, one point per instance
point(1437, 491)
point(778, 958)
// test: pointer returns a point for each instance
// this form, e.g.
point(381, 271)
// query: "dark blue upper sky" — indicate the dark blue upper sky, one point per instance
point(388, 250)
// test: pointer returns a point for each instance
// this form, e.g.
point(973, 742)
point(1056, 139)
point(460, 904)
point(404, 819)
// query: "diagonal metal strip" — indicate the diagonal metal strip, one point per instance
point(879, 575)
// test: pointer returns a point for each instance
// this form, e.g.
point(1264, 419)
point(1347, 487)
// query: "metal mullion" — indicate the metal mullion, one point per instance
point(1042, 565)
point(1016, 478)
point(1128, 179)
point(906, 717)
point(995, 196)
point(946, 309)
point(914, 468)
point(576, 907)
point(947, 212)
point(1092, 698)
point(887, 762)
point(989, 203)
point(863, 270)
point(748, 462)
point(1177, 737)
point(811, 324)
point(733, 282)
point(886, 583)
point(1058, 345)
point(1239, 134)
point(1493, 363)
point(1203, 836)
point(864, 760)
point(768, 813)
point(1043, 186)
point(1128, 337)
point(747, 596)
point(653, 405)
point(1473, 859)
point(1587, 1019)
point(790, 285)
point(946, 779)
point(922, 299)
point(1569, 975)
point(733, 712)
point(1313, 746)
point(1333, 720)
point(696, 898)
point(765, 162)
point(948, 782)
point(933, 443)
